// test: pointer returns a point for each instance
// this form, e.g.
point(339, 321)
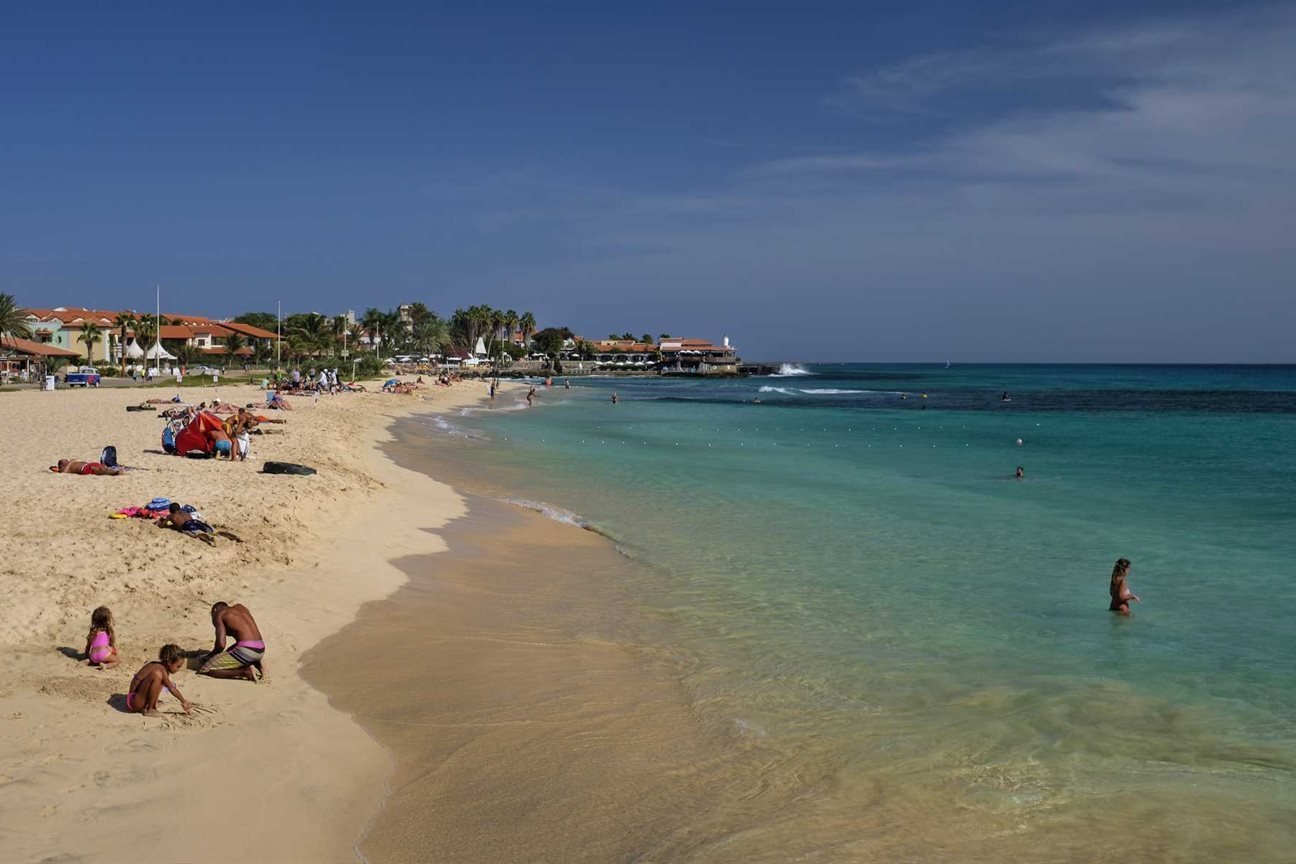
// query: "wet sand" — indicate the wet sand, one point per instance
point(528, 718)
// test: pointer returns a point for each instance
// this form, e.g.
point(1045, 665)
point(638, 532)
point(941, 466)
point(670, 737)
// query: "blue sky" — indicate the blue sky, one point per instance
point(993, 181)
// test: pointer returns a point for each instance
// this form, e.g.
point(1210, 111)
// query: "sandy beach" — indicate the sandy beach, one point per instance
point(264, 772)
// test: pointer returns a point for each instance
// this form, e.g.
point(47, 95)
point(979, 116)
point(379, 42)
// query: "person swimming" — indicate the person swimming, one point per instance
point(1121, 595)
point(1021, 473)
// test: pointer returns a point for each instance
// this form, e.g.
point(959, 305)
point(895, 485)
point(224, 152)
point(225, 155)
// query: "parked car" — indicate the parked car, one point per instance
point(202, 370)
point(81, 376)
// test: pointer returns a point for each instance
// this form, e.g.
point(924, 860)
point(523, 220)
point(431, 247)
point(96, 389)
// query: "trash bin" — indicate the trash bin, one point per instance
point(49, 382)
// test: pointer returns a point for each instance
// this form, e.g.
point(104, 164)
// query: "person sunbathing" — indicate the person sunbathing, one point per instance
point(154, 677)
point(186, 523)
point(74, 466)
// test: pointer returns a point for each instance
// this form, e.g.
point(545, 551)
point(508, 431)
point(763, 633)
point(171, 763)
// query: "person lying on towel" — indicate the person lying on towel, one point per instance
point(98, 469)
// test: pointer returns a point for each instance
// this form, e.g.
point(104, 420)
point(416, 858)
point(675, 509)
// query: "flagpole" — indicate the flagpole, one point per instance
point(157, 338)
point(278, 332)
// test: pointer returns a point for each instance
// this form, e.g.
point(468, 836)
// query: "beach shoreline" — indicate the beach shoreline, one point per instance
point(267, 772)
point(526, 690)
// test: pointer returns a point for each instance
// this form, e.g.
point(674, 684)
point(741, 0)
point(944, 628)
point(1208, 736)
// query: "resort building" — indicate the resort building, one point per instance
point(698, 357)
point(25, 358)
point(66, 328)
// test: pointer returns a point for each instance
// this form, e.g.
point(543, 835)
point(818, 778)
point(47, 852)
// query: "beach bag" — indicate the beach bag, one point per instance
point(168, 440)
point(109, 457)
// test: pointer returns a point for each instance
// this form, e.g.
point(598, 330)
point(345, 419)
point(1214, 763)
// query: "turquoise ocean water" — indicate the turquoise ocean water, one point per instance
point(868, 590)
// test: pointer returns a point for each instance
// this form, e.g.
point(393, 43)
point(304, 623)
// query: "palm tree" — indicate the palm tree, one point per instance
point(432, 336)
point(496, 325)
point(146, 331)
point(527, 323)
point(262, 352)
point(186, 354)
point(395, 331)
point(510, 324)
point(13, 319)
point(372, 323)
point(233, 343)
point(125, 324)
point(90, 335)
point(354, 333)
point(480, 319)
point(313, 332)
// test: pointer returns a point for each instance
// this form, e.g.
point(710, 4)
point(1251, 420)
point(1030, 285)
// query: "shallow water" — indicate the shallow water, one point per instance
point(917, 643)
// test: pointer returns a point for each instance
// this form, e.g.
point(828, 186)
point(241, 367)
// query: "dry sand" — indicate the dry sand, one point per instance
point(263, 772)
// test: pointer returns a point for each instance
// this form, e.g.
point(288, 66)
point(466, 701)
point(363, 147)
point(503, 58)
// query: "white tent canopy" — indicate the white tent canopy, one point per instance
point(133, 351)
point(157, 352)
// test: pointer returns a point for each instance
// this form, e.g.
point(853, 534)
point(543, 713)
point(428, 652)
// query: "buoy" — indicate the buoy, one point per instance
point(1019, 442)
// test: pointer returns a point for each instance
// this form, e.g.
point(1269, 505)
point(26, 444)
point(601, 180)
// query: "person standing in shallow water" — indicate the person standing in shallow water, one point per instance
point(1121, 595)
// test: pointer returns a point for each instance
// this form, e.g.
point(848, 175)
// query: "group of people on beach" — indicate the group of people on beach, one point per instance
point(244, 659)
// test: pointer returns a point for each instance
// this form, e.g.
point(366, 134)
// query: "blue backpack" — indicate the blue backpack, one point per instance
point(109, 456)
point(168, 439)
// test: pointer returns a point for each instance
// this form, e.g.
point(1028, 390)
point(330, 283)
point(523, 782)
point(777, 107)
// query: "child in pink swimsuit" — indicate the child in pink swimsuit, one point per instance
point(101, 642)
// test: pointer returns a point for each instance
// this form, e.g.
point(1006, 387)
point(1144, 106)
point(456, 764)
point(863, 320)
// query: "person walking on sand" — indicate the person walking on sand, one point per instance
point(248, 650)
point(154, 677)
point(1121, 595)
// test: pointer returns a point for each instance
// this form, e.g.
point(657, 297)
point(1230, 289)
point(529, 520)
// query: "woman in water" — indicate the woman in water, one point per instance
point(1121, 595)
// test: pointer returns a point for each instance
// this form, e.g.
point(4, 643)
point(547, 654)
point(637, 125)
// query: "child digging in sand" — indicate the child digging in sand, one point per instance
point(101, 641)
point(154, 677)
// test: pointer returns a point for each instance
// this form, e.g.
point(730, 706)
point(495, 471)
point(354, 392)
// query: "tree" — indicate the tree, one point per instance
point(395, 332)
point(431, 336)
point(420, 314)
point(126, 322)
point(646, 339)
point(233, 342)
point(262, 353)
point(665, 336)
point(146, 331)
point(528, 324)
point(550, 340)
point(186, 354)
point(13, 319)
point(312, 331)
point(496, 325)
point(91, 335)
point(264, 320)
point(371, 321)
point(511, 320)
